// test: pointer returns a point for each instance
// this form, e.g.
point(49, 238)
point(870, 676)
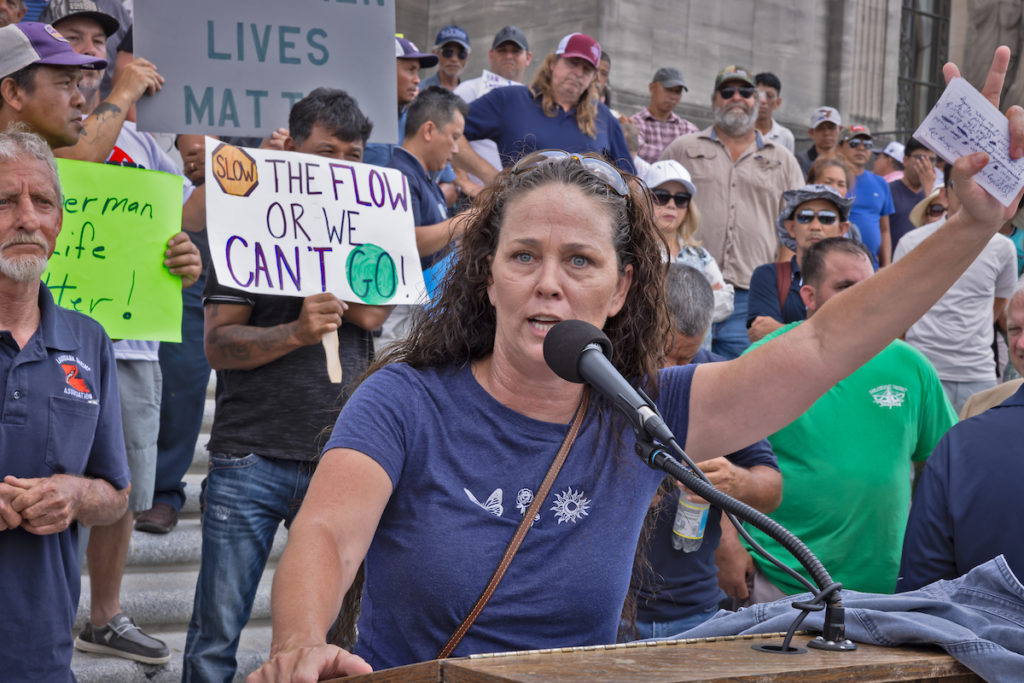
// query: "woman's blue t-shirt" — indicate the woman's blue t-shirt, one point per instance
point(464, 468)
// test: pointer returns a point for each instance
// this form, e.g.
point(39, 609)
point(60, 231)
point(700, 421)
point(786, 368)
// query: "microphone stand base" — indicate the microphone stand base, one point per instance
point(820, 643)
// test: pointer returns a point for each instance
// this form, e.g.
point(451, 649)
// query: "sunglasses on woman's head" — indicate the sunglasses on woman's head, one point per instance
point(662, 197)
point(602, 169)
point(825, 217)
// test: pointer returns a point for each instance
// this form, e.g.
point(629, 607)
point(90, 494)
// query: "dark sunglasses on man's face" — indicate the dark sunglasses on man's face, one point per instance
point(825, 217)
point(857, 142)
point(449, 52)
point(662, 197)
point(745, 91)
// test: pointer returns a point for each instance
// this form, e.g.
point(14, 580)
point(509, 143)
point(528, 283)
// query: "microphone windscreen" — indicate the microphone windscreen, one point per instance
point(564, 344)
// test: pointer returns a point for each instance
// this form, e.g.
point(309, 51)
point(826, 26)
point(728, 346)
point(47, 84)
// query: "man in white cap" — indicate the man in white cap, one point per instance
point(824, 132)
point(656, 124)
point(889, 162)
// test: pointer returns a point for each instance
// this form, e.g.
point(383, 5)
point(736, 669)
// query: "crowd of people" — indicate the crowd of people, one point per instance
point(533, 204)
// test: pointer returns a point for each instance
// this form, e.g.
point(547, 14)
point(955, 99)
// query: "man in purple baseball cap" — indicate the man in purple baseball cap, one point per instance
point(39, 77)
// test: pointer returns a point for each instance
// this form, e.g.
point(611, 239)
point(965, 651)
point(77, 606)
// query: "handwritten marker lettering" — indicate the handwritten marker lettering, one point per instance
point(295, 224)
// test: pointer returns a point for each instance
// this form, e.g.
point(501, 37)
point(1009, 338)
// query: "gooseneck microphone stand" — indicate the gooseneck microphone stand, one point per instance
point(579, 352)
point(824, 596)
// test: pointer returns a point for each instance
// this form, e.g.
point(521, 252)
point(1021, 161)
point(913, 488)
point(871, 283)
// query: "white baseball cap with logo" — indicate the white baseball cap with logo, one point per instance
point(825, 115)
point(893, 149)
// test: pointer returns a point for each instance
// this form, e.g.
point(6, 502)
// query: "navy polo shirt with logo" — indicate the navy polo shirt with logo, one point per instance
point(428, 205)
point(60, 415)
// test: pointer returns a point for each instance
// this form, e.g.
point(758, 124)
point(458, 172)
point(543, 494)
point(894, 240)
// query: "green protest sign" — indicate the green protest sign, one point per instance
point(108, 261)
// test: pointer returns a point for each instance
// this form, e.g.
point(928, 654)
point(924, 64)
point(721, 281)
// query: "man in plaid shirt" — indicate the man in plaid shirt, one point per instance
point(656, 125)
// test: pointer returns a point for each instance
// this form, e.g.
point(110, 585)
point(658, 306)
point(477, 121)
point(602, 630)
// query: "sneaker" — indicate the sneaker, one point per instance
point(122, 638)
point(159, 519)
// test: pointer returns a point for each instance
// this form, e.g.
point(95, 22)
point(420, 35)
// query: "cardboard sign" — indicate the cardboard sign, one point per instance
point(236, 67)
point(295, 224)
point(108, 260)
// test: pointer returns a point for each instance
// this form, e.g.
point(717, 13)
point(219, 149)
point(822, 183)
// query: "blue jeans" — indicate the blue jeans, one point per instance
point(665, 629)
point(729, 337)
point(244, 501)
point(977, 618)
point(186, 375)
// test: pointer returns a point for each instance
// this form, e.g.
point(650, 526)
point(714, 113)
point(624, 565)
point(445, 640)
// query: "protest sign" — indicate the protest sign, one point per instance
point(298, 224)
point(109, 258)
point(236, 67)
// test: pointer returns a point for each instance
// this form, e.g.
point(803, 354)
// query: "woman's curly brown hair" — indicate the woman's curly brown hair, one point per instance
point(461, 324)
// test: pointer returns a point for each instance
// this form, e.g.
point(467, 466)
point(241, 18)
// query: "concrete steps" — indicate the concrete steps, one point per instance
point(158, 589)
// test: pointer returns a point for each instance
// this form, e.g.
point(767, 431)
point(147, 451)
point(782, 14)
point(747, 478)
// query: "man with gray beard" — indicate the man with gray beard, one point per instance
point(740, 178)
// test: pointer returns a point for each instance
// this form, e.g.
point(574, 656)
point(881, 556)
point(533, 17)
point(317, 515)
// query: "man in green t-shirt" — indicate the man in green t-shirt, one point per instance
point(846, 462)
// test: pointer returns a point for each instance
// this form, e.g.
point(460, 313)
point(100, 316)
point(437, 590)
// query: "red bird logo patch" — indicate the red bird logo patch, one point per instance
point(72, 378)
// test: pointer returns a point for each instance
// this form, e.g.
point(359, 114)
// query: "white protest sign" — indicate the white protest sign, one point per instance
point(298, 224)
point(963, 122)
point(236, 67)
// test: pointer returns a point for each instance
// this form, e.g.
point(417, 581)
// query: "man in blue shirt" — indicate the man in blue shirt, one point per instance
point(62, 456)
point(558, 111)
point(872, 199)
point(966, 508)
point(681, 589)
point(432, 132)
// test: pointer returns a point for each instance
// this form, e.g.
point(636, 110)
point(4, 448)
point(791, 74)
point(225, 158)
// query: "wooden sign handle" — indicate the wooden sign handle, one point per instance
point(330, 342)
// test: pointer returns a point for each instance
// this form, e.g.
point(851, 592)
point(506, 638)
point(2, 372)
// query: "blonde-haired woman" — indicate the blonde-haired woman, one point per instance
point(677, 217)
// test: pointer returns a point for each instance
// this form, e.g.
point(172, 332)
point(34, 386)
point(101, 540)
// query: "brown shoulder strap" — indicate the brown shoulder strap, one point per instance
point(784, 275)
point(524, 526)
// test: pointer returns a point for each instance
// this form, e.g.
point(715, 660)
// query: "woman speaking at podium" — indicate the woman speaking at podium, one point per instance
point(437, 458)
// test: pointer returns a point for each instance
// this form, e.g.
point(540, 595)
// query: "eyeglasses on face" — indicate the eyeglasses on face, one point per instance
point(825, 217)
point(449, 52)
point(662, 197)
point(600, 168)
point(859, 142)
point(726, 92)
point(936, 209)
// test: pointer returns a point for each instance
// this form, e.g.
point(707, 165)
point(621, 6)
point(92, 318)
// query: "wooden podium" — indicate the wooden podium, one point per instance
point(728, 658)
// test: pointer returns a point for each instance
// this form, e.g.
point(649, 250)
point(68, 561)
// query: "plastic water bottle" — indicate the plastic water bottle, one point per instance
point(688, 528)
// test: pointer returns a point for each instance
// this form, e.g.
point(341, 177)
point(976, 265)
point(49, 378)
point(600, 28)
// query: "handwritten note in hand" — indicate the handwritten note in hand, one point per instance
point(963, 122)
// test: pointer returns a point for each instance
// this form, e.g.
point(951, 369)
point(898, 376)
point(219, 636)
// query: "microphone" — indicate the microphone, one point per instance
point(578, 352)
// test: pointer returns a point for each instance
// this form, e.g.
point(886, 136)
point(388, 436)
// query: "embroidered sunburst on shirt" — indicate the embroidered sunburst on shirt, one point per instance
point(570, 506)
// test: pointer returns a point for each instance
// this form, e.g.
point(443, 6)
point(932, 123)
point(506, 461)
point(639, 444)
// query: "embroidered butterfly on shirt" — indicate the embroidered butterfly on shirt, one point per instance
point(493, 504)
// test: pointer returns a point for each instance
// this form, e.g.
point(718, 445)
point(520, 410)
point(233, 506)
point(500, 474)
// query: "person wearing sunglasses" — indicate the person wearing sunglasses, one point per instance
point(676, 216)
point(452, 49)
point(740, 176)
point(810, 214)
point(435, 458)
point(560, 110)
point(872, 198)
